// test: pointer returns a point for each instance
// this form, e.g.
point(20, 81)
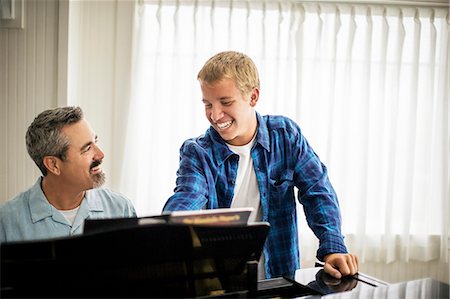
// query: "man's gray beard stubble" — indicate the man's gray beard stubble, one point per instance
point(99, 179)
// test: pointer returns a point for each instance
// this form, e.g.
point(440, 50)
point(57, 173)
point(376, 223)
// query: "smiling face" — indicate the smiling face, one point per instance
point(81, 168)
point(230, 112)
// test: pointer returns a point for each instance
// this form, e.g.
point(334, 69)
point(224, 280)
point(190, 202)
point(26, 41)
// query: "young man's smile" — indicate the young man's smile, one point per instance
point(230, 112)
point(224, 125)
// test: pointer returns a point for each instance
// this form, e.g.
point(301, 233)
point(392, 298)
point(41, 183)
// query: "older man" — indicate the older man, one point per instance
point(64, 147)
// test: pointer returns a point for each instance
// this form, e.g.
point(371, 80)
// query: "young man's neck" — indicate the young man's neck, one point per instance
point(59, 195)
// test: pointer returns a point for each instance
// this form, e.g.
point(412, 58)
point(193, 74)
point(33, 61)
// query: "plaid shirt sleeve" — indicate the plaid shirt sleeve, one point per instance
point(318, 198)
point(191, 191)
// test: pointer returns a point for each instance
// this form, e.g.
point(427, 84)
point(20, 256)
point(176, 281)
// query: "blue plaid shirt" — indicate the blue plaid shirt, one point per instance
point(282, 160)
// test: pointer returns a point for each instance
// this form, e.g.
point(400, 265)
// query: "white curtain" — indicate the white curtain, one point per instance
point(369, 86)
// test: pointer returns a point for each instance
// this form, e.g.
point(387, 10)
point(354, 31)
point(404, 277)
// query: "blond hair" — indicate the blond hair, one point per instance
point(232, 65)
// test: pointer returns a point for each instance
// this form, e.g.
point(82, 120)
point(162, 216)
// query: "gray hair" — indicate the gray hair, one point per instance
point(44, 136)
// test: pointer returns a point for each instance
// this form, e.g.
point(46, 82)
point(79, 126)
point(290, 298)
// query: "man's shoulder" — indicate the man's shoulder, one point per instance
point(200, 143)
point(276, 122)
point(15, 210)
point(104, 193)
point(111, 201)
point(17, 202)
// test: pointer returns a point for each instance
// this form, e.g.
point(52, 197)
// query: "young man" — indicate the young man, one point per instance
point(64, 147)
point(245, 159)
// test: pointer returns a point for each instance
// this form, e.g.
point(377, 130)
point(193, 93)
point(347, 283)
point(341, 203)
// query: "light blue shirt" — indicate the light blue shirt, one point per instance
point(29, 216)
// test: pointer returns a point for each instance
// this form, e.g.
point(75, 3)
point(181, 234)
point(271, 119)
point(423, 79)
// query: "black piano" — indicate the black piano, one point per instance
point(128, 258)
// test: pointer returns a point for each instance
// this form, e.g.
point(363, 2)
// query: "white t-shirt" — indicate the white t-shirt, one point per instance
point(70, 214)
point(246, 190)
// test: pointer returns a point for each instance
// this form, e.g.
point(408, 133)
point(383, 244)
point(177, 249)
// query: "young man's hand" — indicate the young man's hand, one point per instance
point(340, 264)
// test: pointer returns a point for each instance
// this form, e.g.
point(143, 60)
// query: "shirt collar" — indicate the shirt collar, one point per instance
point(90, 203)
point(263, 133)
point(40, 207)
point(222, 152)
point(93, 202)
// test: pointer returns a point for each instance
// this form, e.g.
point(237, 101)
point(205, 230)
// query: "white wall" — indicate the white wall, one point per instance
point(68, 53)
point(28, 85)
point(99, 66)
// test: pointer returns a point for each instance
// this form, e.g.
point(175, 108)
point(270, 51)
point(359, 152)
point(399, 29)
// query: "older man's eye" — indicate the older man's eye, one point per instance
point(86, 149)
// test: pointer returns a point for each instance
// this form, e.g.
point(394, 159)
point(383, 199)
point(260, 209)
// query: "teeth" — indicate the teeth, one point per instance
point(225, 124)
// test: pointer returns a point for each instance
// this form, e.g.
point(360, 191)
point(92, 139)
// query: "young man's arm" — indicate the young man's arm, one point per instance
point(322, 212)
point(191, 191)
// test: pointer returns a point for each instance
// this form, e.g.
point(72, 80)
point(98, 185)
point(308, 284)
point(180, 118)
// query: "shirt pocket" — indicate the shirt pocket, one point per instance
point(281, 187)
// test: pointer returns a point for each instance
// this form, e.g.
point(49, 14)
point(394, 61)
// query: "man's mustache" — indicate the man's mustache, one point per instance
point(96, 163)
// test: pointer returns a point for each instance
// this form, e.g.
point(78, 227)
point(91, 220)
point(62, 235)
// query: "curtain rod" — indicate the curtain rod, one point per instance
point(423, 3)
point(412, 3)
